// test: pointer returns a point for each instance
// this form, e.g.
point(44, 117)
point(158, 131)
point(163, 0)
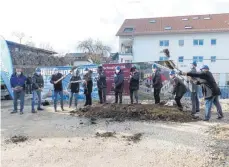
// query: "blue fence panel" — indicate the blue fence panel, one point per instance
point(224, 93)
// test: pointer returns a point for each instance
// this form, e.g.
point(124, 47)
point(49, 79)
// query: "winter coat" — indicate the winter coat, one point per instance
point(58, 86)
point(193, 87)
point(157, 82)
point(208, 84)
point(18, 80)
point(119, 82)
point(88, 86)
point(37, 81)
point(101, 80)
point(29, 81)
point(134, 81)
point(74, 86)
point(179, 88)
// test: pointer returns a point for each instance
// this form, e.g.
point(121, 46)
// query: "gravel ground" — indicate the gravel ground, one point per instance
point(61, 140)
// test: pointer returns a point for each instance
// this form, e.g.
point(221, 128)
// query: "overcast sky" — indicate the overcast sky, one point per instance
point(63, 23)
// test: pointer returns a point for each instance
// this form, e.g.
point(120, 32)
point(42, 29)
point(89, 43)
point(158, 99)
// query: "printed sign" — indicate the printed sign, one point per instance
point(48, 94)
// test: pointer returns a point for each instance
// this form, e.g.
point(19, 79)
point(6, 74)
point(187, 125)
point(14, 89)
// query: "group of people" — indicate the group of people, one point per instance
point(210, 89)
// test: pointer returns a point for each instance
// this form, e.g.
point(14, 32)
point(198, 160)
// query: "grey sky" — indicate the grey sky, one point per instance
point(63, 23)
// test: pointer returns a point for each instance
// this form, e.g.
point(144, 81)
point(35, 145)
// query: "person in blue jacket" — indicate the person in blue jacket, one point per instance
point(17, 82)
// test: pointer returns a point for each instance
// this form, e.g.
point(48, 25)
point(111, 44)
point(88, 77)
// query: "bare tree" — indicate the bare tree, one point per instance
point(19, 35)
point(94, 49)
point(46, 46)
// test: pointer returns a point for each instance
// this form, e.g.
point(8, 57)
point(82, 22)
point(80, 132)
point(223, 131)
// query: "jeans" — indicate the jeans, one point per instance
point(61, 98)
point(76, 99)
point(157, 95)
point(135, 94)
point(88, 99)
point(38, 92)
point(208, 105)
point(28, 88)
point(102, 95)
point(19, 95)
point(195, 102)
point(118, 94)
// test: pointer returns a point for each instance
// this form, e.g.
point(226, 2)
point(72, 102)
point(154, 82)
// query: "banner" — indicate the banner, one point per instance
point(48, 92)
point(6, 65)
point(109, 70)
point(145, 84)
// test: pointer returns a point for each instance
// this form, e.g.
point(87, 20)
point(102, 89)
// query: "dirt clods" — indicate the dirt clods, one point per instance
point(105, 134)
point(134, 138)
point(17, 139)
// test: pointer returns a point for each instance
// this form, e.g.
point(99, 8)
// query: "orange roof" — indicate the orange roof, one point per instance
point(176, 24)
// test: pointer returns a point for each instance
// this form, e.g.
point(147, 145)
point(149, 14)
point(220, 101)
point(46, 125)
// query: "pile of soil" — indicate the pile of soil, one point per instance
point(136, 112)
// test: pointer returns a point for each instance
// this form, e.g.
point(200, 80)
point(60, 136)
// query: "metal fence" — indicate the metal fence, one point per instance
point(224, 92)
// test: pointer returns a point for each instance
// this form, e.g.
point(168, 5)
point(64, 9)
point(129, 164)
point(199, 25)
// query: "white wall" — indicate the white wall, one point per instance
point(147, 48)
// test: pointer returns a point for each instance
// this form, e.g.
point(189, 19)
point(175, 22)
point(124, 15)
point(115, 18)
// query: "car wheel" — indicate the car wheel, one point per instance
point(7, 97)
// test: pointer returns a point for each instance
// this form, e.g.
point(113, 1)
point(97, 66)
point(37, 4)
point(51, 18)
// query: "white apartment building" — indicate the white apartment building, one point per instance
point(200, 38)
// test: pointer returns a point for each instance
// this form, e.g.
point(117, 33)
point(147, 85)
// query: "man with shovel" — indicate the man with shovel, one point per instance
point(58, 88)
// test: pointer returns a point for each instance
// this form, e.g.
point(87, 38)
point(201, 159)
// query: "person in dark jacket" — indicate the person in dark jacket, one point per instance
point(37, 86)
point(74, 85)
point(194, 90)
point(119, 84)
point(88, 85)
point(157, 83)
point(210, 91)
point(179, 89)
point(29, 85)
point(102, 85)
point(134, 84)
point(17, 82)
point(58, 88)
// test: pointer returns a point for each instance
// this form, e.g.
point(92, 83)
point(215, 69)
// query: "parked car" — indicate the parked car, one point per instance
point(5, 93)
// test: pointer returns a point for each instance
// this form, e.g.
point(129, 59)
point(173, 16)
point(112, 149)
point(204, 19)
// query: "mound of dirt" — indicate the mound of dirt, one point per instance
point(124, 112)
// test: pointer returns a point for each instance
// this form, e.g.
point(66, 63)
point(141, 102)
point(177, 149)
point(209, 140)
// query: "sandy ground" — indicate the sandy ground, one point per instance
point(61, 140)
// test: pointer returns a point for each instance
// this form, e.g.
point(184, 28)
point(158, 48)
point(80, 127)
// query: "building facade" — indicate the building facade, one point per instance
point(202, 38)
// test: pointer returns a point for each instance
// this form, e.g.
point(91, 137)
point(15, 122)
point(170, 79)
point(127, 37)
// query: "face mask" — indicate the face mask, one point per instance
point(55, 72)
point(18, 73)
point(154, 70)
point(38, 73)
point(171, 76)
point(117, 71)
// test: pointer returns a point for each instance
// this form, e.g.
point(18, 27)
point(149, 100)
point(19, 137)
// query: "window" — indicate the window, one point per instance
point(188, 27)
point(164, 43)
point(198, 58)
point(128, 61)
point(198, 42)
point(168, 28)
point(181, 59)
point(213, 41)
point(185, 19)
point(128, 29)
point(162, 58)
point(152, 21)
point(181, 42)
point(213, 58)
